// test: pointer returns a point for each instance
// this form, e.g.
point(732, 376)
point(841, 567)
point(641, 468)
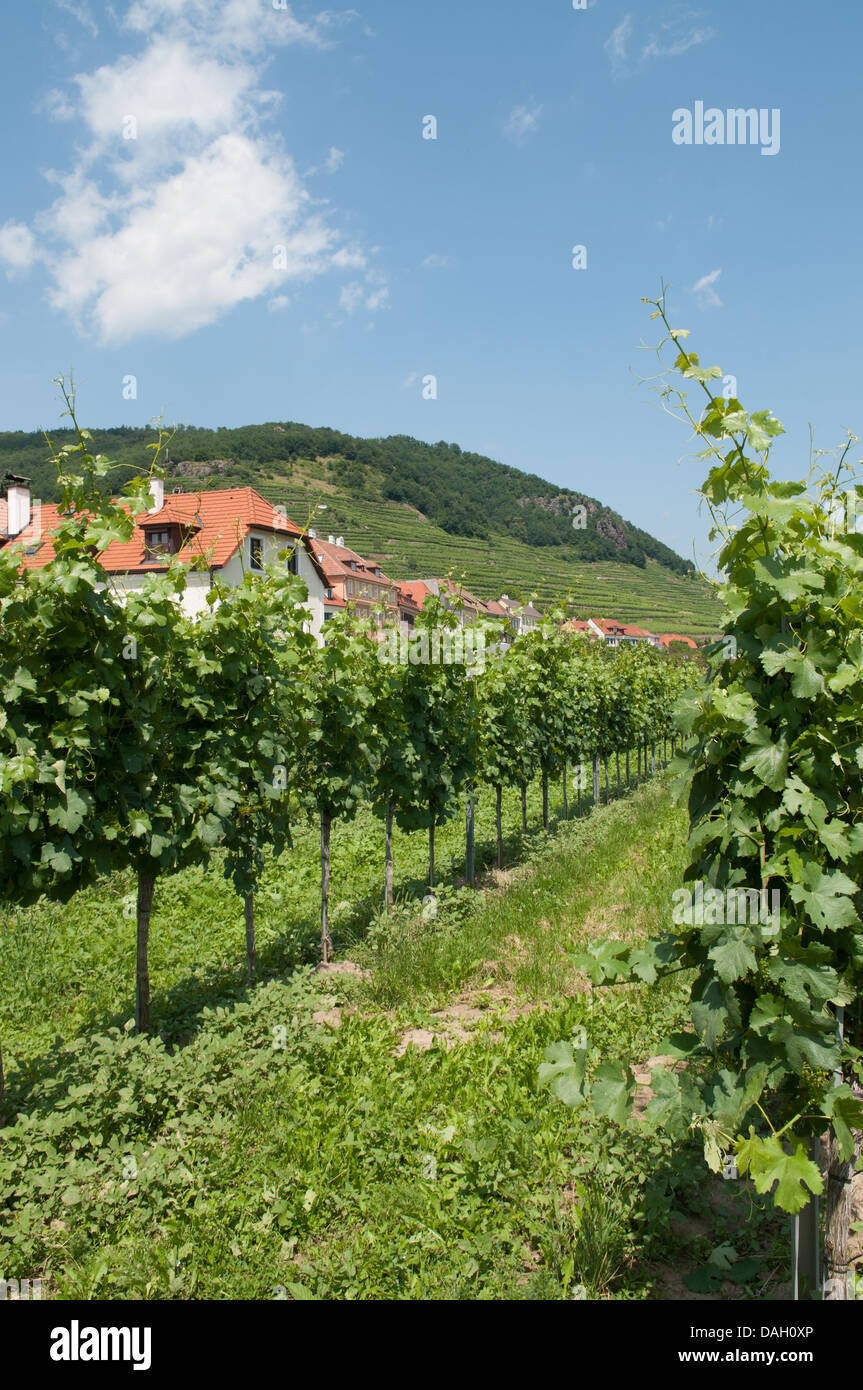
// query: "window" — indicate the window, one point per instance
point(256, 553)
point(159, 542)
point(292, 562)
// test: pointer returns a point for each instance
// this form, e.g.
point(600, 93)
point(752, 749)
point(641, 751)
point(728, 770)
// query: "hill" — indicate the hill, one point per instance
point(422, 509)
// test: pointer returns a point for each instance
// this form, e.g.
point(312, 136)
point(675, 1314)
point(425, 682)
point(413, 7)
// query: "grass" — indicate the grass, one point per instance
point(68, 969)
point(293, 1141)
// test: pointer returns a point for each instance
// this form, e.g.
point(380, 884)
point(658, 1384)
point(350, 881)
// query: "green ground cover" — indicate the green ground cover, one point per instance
point(338, 1135)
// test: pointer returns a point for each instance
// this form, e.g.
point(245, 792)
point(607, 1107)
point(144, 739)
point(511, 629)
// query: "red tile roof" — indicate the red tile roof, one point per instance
point(668, 637)
point(612, 628)
point(335, 559)
point(608, 627)
point(406, 599)
point(417, 589)
point(217, 523)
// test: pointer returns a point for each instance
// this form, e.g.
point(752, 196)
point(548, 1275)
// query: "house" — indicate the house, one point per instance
point(416, 591)
point(585, 628)
point(455, 597)
point(223, 535)
point(496, 610)
point(633, 634)
point(352, 579)
point(408, 607)
point(612, 633)
point(522, 617)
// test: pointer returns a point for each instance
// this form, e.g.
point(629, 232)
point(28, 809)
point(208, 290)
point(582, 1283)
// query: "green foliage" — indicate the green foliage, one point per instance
point(775, 796)
point(142, 740)
point(258, 1153)
point(465, 494)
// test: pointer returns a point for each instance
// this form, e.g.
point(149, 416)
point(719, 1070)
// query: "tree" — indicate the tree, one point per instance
point(250, 647)
point(78, 740)
point(341, 754)
point(542, 661)
point(504, 754)
point(67, 694)
point(438, 726)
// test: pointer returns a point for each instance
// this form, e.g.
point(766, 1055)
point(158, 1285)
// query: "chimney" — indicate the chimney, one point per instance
point(18, 500)
point(331, 539)
point(157, 489)
point(340, 540)
point(313, 535)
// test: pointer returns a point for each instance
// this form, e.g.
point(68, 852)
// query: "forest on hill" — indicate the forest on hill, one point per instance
point(465, 494)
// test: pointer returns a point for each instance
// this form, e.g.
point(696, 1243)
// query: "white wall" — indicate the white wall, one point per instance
point(194, 598)
point(233, 572)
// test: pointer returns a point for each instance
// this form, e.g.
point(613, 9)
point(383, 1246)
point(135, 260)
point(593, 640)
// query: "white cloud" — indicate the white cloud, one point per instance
point(279, 302)
point(410, 380)
point(675, 36)
point(171, 89)
point(191, 248)
point(169, 219)
point(57, 105)
point(351, 296)
point(435, 262)
point(615, 44)
point(372, 295)
point(334, 160)
point(705, 294)
point(17, 246)
point(521, 122)
point(81, 13)
point(349, 258)
point(248, 26)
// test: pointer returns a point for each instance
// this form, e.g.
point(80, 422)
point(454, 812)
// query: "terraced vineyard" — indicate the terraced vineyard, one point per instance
point(420, 510)
point(409, 546)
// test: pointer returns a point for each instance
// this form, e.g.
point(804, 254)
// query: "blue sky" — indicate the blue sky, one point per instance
point(258, 127)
